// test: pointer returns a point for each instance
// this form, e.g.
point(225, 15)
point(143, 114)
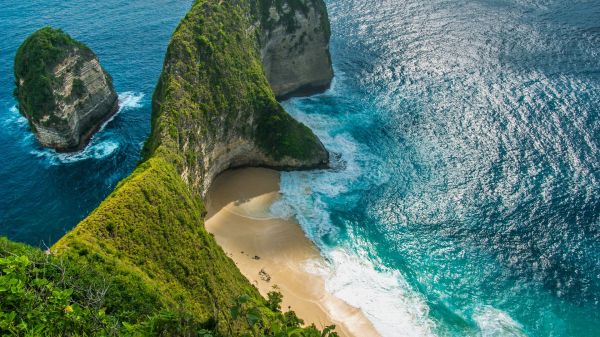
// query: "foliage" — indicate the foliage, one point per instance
point(28, 301)
point(145, 250)
point(274, 299)
point(43, 295)
point(280, 325)
point(34, 61)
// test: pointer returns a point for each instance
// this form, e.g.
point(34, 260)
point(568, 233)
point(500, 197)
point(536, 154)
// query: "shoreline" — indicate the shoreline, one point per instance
point(273, 251)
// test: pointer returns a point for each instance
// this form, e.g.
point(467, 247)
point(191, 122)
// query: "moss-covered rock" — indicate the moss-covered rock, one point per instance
point(62, 89)
point(214, 108)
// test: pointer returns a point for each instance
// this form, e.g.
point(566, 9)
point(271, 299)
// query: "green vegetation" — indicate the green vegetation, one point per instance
point(42, 295)
point(142, 263)
point(213, 83)
point(45, 295)
point(34, 61)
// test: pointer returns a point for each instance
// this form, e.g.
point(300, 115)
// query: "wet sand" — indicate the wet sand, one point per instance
point(272, 251)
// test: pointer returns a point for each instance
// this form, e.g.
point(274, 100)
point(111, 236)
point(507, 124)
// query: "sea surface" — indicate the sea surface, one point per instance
point(464, 198)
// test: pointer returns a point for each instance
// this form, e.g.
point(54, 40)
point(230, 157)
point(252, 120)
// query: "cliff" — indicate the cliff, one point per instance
point(213, 106)
point(294, 46)
point(145, 247)
point(62, 89)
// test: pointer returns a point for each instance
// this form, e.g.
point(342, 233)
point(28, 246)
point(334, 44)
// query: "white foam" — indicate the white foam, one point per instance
point(99, 147)
point(97, 150)
point(15, 117)
point(127, 100)
point(496, 323)
point(130, 100)
point(16, 124)
point(382, 294)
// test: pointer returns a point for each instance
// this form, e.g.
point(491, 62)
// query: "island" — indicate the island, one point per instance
point(62, 89)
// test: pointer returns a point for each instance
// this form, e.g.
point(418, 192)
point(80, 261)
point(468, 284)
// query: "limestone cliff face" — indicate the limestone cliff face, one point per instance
point(213, 107)
point(62, 90)
point(295, 46)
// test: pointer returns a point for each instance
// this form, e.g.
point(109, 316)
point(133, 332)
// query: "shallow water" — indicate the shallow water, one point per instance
point(466, 196)
point(464, 199)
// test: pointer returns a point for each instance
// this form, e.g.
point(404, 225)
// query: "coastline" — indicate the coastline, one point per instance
point(272, 251)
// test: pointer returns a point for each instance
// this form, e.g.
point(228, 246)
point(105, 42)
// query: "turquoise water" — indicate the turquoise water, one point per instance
point(466, 199)
point(465, 194)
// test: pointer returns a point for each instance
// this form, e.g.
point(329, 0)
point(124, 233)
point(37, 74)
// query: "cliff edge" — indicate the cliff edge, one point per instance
point(294, 46)
point(213, 106)
point(62, 89)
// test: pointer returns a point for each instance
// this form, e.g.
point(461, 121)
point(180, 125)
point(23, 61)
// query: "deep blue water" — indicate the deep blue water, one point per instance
point(44, 194)
point(465, 199)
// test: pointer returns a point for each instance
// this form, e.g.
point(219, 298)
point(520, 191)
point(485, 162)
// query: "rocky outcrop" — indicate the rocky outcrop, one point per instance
point(214, 108)
point(62, 89)
point(295, 46)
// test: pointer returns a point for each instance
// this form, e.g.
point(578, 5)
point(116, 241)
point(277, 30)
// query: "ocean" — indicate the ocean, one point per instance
point(464, 198)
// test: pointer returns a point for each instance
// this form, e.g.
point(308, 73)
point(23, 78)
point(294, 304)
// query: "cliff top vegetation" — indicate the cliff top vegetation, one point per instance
point(34, 61)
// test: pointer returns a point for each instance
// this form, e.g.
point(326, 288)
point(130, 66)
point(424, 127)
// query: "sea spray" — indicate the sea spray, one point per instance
point(102, 145)
point(493, 322)
point(351, 274)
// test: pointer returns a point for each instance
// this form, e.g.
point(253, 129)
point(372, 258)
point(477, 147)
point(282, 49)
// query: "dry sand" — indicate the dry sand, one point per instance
point(273, 251)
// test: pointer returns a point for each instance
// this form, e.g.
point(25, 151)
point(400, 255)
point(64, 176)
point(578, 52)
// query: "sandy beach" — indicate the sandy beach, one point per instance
point(275, 252)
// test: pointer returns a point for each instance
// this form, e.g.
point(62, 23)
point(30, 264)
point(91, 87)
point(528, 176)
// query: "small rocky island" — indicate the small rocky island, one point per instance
point(62, 89)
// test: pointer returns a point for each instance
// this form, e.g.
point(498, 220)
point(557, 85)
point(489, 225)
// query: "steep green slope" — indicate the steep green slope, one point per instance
point(145, 247)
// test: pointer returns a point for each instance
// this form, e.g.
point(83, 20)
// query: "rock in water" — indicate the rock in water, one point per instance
point(295, 46)
point(62, 89)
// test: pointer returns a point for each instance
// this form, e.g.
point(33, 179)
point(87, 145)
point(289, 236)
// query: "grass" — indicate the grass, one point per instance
point(161, 273)
point(150, 230)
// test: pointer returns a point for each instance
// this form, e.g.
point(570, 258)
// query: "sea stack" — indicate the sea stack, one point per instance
point(62, 89)
point(294, 49)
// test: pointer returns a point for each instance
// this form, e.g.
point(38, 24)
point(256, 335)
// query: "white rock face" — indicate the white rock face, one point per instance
point(85, 98)
point(295, 49)
point(242, 152)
